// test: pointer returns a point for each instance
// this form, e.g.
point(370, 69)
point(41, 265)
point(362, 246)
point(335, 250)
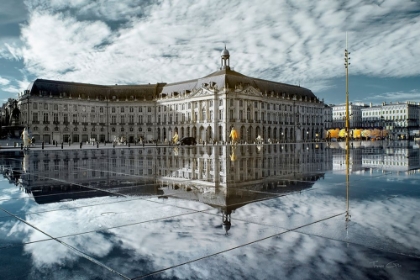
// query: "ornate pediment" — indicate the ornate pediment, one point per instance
point(201, 92)
point(250, 90)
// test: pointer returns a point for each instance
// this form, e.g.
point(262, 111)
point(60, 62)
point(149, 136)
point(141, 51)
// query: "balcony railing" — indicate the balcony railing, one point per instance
point(35, 122)
point(46, 122)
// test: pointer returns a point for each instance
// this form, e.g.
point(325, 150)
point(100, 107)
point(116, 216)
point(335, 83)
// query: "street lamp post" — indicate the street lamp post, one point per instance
point(346, 64)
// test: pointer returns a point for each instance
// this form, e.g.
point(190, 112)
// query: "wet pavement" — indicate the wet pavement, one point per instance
point(293, 211)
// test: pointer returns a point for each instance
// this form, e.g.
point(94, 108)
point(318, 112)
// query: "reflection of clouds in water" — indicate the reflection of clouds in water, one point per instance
point(45, 257)
point(307, 206)
point(10, 192)
point(395, 219)
point(295, 256)
point(161, 244)
point(165, 243)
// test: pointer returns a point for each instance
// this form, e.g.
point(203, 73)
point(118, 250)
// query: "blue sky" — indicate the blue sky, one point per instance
point(134, 42)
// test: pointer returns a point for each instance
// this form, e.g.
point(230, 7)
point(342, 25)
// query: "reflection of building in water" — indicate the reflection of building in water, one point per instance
point(208, 174)
point(393, 159)
point(339, 159)
point(384, 156)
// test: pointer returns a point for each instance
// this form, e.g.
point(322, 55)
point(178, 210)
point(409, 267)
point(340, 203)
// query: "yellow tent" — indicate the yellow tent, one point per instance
point(357, 133)
point(366, 133)
point(333, 133)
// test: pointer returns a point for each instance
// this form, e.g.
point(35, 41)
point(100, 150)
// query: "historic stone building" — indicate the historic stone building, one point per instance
point(205, 108)
point(401, 119)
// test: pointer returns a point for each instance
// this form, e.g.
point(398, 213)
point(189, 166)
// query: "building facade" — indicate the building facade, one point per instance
point(355, 115)
point(205, 108)
point(401, 119)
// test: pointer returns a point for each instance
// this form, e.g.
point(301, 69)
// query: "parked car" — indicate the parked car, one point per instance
point(187, 141)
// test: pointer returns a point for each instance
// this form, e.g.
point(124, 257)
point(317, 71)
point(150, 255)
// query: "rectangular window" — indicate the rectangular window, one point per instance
point(45, 106)
point(66, 118)
point(149, 109)
point(35, 117)
point(75, 108)
point(66, 107)
point(122, 109)
point(45, 117)
point(35, 106)
point(131, 110)
point(113, 110)
point(56, 117)
point(92, 109)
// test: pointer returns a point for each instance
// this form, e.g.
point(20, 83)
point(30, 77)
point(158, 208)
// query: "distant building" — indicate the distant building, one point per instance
point(205, 108)
point(401, 118)
point(355, 115)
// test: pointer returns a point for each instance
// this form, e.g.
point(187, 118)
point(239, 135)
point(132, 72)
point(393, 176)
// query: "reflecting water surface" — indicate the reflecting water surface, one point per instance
point(319, 210)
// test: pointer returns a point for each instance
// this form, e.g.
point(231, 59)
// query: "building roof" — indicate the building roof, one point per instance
point(232, 79)
point(55, 88)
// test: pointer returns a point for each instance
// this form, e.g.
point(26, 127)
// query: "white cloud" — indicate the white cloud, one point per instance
point(10, 47)
point(172, 41)
point(3, 81)
point(411, 95)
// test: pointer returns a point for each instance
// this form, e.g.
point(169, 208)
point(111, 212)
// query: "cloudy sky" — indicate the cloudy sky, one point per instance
point(145, 41)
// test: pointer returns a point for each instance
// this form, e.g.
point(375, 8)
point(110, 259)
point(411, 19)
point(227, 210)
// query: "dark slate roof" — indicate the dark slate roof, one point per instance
point(231, 79)
point(220, 79)
point(66, 89)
